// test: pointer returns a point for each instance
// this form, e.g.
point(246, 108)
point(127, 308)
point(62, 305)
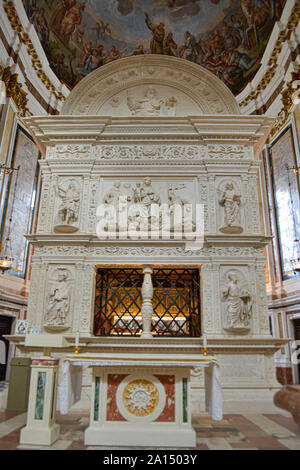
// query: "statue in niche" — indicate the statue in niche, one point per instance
point(150, 105)
point(238, 304)
point(231, 203)
point(59, 303)
point(67, 215)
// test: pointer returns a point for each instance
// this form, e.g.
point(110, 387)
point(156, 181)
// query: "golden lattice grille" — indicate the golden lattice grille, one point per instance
point(176, 302)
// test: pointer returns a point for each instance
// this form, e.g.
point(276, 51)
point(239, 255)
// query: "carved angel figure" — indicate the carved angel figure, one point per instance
point(238, 303)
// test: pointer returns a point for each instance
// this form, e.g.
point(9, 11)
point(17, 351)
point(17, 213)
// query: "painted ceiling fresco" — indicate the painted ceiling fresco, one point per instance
point(228, 37)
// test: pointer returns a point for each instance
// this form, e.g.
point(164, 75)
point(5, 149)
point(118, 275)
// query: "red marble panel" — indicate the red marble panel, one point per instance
point(113, 382)
point(168, 413)
point(45, 362)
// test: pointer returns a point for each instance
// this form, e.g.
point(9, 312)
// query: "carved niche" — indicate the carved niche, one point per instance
point(59, 299)
point(229, 201)
point(236, 300)
point(66, 218)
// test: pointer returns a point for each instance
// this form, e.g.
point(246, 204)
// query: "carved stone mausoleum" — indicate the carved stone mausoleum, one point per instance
point(151, 130)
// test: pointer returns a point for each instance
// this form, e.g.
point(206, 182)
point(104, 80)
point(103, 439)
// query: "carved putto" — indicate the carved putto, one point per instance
point(230, 201)
point(238, 309)
point(67, 216)
point(58, 302)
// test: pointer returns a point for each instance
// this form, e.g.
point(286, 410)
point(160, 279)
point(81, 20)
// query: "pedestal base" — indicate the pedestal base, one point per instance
point(231, 229)
point(167, 436)
point(41, 428)
point(65, 228)
point(34, 435)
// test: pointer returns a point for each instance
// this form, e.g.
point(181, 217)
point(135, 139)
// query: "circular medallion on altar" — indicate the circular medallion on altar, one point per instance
point(141, 398)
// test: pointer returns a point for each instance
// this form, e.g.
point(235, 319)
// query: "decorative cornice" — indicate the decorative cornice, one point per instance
point(287, 104)
point(95, 130)
point(284, 35)
point(25, 39)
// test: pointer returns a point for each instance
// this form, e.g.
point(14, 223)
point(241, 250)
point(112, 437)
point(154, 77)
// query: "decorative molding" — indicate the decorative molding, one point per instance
point(272, 65)
point(121, 250)
point(202, 88)
point(14, 90)
point(288, 105)
point(25, 39)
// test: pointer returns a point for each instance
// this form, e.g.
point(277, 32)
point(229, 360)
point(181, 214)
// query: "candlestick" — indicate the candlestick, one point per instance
point(204, 345)
point(76, 349)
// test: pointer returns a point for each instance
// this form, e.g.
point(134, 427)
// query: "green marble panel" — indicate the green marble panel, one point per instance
point(40, 395)
point(53, 394)
point(96, 398)
point(185, 400)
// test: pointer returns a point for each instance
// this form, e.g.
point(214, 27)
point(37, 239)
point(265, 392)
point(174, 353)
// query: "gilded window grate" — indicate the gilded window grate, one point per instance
point(176, 302)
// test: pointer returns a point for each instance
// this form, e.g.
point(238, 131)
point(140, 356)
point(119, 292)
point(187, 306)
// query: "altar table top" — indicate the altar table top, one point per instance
point(70, 382)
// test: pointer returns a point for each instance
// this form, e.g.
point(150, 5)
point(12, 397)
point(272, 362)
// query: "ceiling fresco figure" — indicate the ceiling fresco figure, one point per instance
point(228, 37)
point(158, 35)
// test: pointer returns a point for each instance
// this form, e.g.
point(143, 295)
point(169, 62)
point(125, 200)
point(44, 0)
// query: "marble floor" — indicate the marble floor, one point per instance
point(247, 431)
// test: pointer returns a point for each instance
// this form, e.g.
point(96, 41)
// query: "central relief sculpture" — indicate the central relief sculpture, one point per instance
point(149, 104)
point(141, 207)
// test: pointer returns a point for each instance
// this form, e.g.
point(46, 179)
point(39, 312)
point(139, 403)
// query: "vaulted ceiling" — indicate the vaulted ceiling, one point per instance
point(228, 37)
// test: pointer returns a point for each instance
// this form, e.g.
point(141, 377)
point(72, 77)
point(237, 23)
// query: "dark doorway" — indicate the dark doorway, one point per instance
point(5, 329)
point(297, 338)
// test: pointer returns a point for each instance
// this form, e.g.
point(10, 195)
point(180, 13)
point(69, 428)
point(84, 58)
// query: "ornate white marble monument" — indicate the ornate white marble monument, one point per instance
point(143, 138)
